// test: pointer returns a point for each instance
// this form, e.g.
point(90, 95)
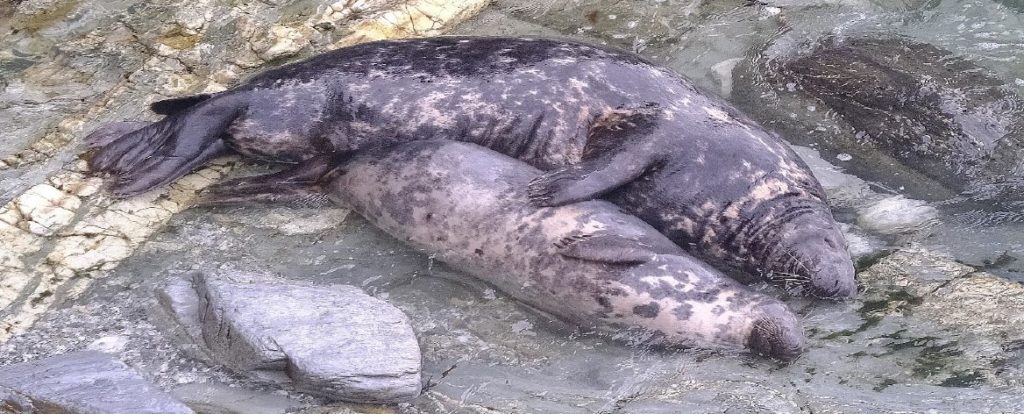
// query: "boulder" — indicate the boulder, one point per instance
point(81, 382)
point(332, 341)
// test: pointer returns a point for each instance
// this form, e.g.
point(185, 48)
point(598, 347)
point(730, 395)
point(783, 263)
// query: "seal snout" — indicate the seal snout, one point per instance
point(815, 255)
point(777, 334)
point(834, 280)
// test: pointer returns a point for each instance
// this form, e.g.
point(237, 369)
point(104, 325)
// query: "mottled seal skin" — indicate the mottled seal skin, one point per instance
point(598, 119)
point(938, 113)
point(588, 262)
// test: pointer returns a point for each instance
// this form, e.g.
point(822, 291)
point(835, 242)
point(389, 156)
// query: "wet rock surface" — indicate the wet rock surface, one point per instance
point(216, 398)
point(80, 383)
point(334, 341)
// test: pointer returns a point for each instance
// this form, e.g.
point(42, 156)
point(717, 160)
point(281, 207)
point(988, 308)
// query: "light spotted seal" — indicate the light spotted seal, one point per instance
point(600, 121)
point(588, 262)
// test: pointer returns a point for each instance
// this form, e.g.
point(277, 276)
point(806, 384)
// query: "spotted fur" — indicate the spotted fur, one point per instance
point(687, 163)
point(589, 262)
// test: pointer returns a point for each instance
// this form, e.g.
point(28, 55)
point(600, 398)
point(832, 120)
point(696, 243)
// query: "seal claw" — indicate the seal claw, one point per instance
point(551, 189)
point(591, 178)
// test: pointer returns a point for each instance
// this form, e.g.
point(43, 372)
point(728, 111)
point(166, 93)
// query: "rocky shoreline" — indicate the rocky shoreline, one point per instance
point(80, 270)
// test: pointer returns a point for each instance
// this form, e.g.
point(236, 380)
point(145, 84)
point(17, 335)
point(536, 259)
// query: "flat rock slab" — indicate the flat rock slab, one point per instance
point(216, 398)
point(80, 383)
point(332, 341)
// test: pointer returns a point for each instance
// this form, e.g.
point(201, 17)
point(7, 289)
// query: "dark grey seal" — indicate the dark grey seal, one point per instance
point(605, 123)
point(588, 262)
point(944, 116)
point(939, 113)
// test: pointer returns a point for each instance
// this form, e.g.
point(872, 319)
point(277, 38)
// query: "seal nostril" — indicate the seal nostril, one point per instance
point(831, 242)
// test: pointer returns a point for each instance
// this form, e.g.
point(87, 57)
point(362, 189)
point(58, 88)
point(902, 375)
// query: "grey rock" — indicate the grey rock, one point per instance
point(81, 382)
point(332, 341)
point(951, 294)
point(179, 298)
point(217, 398)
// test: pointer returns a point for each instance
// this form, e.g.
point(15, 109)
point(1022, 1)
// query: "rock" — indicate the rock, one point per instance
point(974, 320)
point(722, 72)
point(178, 297)
point(81, 382)
point(961, 126)
point(897, 214)
point(915, 272)
point(109, 344)
point(978, 303)
point(332, 341)
point(215, 398)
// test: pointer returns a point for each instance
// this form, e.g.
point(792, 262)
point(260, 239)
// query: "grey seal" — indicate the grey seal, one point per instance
point(588, 263)
point(954, 128)
point(601, 122)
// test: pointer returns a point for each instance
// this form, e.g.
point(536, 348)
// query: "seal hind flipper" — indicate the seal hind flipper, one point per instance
point(296, 196)
point(162, 169)
point(175, 105)
point(618, 150)
point(110, 132)
point(611, 248)
point(298, 186)
point(167, 149)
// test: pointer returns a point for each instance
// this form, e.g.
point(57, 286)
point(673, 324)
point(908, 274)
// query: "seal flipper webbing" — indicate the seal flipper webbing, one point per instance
point(110, 132)
point(167, 149)
point(618, 150)
point(296, 196)
point(175, 105)
point(161, 170)
point(298, 186)
point(612, 248)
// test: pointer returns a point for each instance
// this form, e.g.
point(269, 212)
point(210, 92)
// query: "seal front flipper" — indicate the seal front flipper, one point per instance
point(298, 186)
point(612, 248)
point(619, 149)
point(167, 149)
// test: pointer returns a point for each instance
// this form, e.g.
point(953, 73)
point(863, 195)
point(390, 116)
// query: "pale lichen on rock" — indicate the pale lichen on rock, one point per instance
point(60, 233)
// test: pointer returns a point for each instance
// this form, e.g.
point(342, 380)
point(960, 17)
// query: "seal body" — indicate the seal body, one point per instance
point(940, 114)
point(598, 120)
point(588, 262)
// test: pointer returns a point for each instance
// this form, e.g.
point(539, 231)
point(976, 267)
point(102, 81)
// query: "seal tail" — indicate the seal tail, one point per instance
point(160, 152)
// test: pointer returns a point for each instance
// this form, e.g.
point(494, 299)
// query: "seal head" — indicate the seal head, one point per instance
point(811, 253)
point(777, 334)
